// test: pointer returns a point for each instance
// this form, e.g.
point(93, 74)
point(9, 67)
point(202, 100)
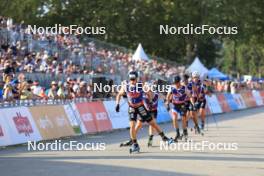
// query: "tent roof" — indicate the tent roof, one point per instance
point(215, 73)
point(140, 54)
point(197, 66)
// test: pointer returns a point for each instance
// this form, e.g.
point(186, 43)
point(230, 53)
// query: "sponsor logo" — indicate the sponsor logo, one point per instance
point(61, 121)
point(87, 117)
point(101, 116)
point(45, 122)
point(22, 124)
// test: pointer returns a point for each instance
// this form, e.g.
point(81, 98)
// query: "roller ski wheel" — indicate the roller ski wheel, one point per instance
point(202, 132)
point(126, 144)
point(134, 149)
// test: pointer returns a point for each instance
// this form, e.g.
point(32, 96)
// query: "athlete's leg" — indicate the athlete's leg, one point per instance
point(184, 124)
point(202, 115)
point(153, 124)
point(133, 119)
point(195, 120)
point(175, 124)
point(151, 129)
point(194, 115)
point(187, 118)
point(133, 130)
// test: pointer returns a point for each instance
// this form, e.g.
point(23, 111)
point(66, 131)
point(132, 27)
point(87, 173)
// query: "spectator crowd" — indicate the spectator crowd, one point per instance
point(23, 53)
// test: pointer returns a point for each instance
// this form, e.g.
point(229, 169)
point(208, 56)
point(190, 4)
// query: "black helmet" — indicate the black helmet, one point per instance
point(133, 75)
point(176, 79)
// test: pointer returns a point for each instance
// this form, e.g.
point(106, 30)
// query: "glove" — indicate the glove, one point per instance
point(117, 108)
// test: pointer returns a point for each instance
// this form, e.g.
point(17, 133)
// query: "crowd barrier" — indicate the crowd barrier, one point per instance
point(44, 122)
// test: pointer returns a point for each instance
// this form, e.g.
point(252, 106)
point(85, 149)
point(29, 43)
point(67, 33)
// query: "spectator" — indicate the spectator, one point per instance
point(36, 89)
point(52, 93)
point(26, 93)
point(61, 91)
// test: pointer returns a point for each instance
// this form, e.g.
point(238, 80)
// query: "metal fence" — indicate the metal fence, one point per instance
point(39, 102)
point(45, 79)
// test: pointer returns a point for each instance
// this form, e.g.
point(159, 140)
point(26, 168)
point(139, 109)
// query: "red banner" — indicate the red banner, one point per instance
point(103, 122)
point(94, 116)
point(249, 99)
point(223, 103)
point(86, 117)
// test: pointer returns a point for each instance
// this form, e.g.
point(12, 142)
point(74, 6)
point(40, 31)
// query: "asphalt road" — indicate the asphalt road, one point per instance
point(245, 129)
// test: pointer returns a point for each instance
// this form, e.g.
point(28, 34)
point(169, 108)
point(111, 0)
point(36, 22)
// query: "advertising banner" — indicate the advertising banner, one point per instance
point(102, 120)
point(249, 99)
point(223, 103)
point(213, 104)
point(231, 101)
point(257, 97)
point(74, 118)
point(19, 125)
point(87, 117)
point(5, 138)
point(239, 101)
point(163, 114)
point(262, 95)
point(119, 120)
point(52, 121)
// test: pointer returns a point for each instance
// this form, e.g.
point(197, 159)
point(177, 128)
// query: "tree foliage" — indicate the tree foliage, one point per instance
point(130, 22)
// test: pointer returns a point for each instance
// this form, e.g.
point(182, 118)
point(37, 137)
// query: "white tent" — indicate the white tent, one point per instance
point(197, 66)
point(140, 54)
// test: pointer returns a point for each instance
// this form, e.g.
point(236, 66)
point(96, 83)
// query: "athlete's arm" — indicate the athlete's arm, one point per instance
point(118, 98)
point(168, 100)
point(190, 89)
point(168, 97)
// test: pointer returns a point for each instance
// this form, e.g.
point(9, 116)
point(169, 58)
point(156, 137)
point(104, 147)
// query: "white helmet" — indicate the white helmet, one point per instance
point(195, 74)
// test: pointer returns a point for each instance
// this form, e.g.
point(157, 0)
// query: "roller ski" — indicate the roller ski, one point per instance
point(126, 144)
point(177, 138)
point(168, 140)
point(134, 148)
point(198, 130)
